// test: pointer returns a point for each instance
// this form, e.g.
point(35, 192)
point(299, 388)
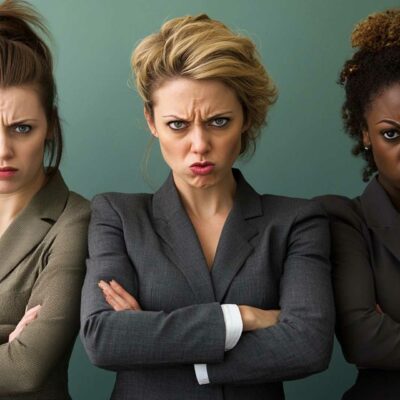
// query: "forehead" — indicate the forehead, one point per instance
point(17, 100)
point(184, 93)
point(386, 104)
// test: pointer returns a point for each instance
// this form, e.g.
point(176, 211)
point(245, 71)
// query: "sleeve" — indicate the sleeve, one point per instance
point(301, 343)
point(5, 331)
point(27, 361)
point(234, 328)
point(369, 339)
point(125, 339)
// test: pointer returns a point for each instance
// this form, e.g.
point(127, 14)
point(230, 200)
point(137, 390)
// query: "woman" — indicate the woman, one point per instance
point(160, 266)
point(366, 230)
point(42, 225)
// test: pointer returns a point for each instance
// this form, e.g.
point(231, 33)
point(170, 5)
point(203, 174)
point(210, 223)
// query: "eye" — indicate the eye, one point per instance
point(22, 128)
point(391, 134)
point(177, 125)
point(219, 122)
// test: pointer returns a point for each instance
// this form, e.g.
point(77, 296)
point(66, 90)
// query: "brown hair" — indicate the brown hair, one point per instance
point(25, 59)
point(198, 47)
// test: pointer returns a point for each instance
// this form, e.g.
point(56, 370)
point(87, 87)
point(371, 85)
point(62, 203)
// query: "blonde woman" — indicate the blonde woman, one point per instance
point(205, 289)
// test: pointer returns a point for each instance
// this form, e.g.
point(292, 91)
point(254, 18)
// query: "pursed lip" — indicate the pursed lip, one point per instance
point(8, 169)
point(202, 164)
point(7, 172)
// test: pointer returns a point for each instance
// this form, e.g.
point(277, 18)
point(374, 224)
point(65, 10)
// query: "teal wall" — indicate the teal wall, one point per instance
point(303, 151)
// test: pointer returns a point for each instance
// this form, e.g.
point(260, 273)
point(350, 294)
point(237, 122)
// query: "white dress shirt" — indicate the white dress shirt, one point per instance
point(233, 329)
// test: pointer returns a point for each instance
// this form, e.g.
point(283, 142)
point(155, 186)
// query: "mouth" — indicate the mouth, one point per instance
point(202, 168)
point(7, 169)
point(202, 164)
point(7, 172)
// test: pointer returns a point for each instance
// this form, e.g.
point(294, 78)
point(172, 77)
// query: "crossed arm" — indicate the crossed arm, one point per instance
point(31, 350)
point(119, 335)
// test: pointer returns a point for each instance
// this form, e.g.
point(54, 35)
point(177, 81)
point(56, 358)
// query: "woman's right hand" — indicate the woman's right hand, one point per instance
point(117, 297)
point(256, 318)
point(28, 317)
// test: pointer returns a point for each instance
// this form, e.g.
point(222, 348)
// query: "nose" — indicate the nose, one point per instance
point(6, 151)
point(200, 141)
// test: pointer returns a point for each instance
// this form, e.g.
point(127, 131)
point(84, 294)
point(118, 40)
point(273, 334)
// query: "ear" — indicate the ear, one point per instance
point(366, 139)
point(150, 122)
point(245, 127)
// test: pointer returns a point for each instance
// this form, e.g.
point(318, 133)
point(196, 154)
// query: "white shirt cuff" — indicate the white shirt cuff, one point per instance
point(233, 325)
point(201, 373)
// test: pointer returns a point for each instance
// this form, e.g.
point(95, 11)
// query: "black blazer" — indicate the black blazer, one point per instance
point(273, 253)
point(366, 272)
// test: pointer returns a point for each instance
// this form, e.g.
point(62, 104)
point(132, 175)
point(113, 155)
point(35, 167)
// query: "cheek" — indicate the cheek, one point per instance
point(387, 157)
point(34, 152)
point(171, 150)
point(233, 145)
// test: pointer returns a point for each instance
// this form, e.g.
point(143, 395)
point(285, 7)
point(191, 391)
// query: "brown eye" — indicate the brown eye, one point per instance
point(391, 134)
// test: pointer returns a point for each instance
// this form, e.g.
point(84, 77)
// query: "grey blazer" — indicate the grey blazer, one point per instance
point(366, 272)
point(273, 253)
point(42, 261)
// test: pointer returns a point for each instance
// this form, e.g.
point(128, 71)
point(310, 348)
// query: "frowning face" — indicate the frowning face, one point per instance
point(199, 124)
point(23, 131)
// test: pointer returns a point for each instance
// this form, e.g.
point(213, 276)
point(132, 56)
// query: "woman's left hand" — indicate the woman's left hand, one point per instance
point(117, 297)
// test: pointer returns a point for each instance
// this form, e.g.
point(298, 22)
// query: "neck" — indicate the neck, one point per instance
point(205, 203)
point(392, 191)
point(11, 204)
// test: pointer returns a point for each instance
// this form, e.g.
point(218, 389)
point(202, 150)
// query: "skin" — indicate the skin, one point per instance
point(198, 121)
point(383, 137)
point(23, 131)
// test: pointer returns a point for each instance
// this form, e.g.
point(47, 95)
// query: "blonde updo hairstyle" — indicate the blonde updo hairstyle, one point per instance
point(198, 47)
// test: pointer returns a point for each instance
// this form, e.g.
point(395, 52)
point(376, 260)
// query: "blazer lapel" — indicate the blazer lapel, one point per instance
point(234, 246)
point(175, 228)
point(32, 224)
point(381, 216)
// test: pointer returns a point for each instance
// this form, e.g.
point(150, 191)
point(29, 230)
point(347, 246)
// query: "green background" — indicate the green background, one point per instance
point(303, 151)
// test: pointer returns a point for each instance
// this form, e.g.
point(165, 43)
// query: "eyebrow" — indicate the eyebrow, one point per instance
point(218, 115)
point(390, 121)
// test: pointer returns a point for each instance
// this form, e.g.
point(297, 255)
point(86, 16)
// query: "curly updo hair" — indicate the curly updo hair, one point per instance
point(198, 47)
point(373, 67)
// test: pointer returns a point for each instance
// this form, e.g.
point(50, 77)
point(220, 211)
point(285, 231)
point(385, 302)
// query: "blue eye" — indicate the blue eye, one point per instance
point(22, 128)
point(391, 134)
point(219, 122)
point(177, 125)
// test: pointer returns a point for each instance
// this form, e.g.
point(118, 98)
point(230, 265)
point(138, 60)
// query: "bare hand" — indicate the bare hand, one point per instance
point(256, 318)
point(379, 309)
point(117, 297)
point(28, 317)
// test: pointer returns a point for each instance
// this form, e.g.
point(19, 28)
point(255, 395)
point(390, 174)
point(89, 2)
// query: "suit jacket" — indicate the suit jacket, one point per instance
point(366, 272)
point(42, 256)
point(273, 253)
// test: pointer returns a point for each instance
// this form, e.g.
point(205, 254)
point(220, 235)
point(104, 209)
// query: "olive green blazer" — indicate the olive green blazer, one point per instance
point(42, 258)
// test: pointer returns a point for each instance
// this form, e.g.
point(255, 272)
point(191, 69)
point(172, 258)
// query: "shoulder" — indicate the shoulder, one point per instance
point(121, 201)
point(77, 209)
point(342, 209)
point(72, 224)
point(124, 206)
point(291, 209)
